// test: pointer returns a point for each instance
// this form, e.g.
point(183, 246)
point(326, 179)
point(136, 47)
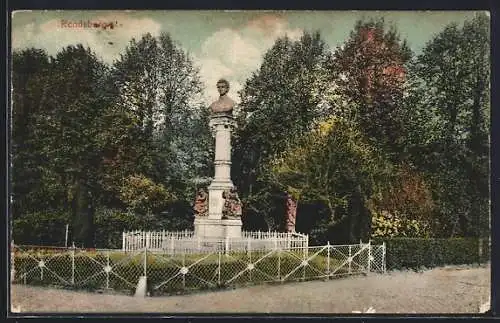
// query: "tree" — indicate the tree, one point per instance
point(67, 131)
point(370, 69)
point(278, 104)
point(30, 70)
point(164, 131)
point(451, 104)
point(334, 166)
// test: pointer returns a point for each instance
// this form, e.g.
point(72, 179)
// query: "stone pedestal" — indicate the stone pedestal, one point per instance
point(232, 228)
point(208, 228)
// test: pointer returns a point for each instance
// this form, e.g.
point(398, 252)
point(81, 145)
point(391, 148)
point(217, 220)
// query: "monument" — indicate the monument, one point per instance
point(223, 219)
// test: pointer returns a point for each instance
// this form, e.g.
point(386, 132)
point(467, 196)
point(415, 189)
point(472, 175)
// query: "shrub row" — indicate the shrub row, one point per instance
point(415, 253)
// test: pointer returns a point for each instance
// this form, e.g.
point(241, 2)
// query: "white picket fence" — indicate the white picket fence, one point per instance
point(175, 242)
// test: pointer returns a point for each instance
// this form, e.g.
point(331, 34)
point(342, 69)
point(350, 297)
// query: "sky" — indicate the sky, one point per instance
point(222, 44)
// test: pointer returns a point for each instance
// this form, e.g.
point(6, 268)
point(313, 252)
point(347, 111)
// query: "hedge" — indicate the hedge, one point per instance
point(418, 253)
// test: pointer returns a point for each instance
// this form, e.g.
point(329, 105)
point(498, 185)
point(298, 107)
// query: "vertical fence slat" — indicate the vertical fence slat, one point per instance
point(369, 256)
point(328, 259)
point(350, 259)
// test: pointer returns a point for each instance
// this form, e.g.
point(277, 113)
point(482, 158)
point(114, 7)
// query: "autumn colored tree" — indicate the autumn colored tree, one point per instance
point(370, 70)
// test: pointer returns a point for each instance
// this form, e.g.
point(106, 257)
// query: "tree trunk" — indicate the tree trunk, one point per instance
point(83, 215)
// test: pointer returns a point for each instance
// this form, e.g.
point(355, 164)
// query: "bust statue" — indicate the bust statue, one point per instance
point(224, 104)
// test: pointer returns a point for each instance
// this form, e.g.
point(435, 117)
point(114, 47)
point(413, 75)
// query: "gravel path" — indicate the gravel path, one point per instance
point(440, 290)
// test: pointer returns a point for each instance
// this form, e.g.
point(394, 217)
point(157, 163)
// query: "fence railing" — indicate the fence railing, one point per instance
point(187, 242)
point(167, 273)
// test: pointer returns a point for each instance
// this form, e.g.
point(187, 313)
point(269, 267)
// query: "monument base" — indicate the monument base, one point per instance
point(217, 228)
point(232, 228)
point(208, 228)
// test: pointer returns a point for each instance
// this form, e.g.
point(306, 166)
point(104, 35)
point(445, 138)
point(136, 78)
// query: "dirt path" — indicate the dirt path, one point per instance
point(441, 290)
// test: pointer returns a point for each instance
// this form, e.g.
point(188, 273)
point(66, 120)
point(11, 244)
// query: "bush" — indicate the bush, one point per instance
point(41, 228)
point(110, 224)
point(415, 253)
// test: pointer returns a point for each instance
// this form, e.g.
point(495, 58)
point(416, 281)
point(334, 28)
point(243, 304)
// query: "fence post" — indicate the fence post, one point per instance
point(226, 247)
point(219, 269)
point(148, 238)
point(123, 241)
point(369, 256)
point(12, 262)
point(328, 259)
point(248, 246)
point(383, 258)
point(480, 250)
point(145, 261)
point(350, 259)
point(172, 244)
point(107, 269)
point(279, 264)
point(183, 265)
point(73, 263)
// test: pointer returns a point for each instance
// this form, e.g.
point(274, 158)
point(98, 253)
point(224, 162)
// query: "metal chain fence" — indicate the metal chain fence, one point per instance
point(168, 273)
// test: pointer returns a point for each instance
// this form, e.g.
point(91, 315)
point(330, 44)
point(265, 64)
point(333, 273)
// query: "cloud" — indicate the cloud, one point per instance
point(107, 43)
point(234, 53)
point(272, 26)
point(231, 53)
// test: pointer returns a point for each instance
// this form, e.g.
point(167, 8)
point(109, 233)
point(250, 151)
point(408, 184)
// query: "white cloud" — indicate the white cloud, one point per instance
point(234, 53)
point(228, 53)
point(56, 34)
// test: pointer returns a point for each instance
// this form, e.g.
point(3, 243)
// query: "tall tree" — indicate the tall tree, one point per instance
point(67, 132)
point(370, 70)
point(453, 77)
point(30, 71)
point(164, 130)
point(279, 103)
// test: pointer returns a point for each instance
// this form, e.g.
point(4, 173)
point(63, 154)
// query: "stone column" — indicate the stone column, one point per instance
point(221, 126)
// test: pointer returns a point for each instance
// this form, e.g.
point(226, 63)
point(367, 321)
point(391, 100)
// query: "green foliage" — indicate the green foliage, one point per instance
point(448, 125)
point(83, 130)
point(416, 253)
point(111, 223)
point(158, 95)
point(41, 228)
point(389, 225)
point(334, 166)
point(142, 195)
point(278, 104)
